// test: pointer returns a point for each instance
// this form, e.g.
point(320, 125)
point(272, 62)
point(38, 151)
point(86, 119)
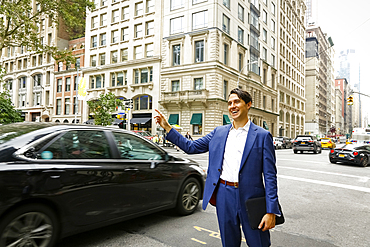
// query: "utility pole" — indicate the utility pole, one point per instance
point(76, 103)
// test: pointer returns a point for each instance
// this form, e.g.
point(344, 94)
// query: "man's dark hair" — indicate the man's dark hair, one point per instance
point(244, 95)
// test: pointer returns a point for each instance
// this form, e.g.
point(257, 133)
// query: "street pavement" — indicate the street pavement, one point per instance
point(325, 205)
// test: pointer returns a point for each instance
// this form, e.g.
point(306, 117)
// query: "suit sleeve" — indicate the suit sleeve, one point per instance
point(269, 174)
point(200, 145)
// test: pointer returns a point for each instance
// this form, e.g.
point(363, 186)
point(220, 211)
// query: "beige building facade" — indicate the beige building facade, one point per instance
point(291, 86)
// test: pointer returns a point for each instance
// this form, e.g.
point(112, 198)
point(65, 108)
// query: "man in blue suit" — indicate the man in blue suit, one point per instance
point(241, 166)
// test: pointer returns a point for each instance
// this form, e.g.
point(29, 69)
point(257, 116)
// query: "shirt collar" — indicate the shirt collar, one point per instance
point(246, 126)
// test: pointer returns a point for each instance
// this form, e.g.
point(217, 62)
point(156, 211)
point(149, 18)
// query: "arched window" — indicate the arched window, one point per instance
point(281, 117)
point(65, 121)
point(57, 121)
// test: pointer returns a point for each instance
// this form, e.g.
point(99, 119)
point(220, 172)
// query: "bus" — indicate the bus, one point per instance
point(360, 135)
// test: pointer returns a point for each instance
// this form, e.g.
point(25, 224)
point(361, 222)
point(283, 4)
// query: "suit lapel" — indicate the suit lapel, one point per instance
point(219, 149)
point(252, 134)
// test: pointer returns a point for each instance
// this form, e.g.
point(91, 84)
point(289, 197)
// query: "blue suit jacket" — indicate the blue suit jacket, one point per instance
point(258, 163)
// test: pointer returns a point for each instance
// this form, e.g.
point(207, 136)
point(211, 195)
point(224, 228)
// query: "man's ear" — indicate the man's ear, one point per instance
point(249, 104)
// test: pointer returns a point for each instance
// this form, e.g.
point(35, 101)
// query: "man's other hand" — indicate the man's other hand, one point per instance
point(267, 222)
point(162, 121)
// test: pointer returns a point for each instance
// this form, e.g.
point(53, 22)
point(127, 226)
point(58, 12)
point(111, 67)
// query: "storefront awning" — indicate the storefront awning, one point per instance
point(226, 120)
point(139, 120)
point(174, 119)
point(265, 125)
point(196, 119)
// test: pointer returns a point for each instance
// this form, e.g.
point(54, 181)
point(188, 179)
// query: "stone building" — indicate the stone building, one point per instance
point(291, 72)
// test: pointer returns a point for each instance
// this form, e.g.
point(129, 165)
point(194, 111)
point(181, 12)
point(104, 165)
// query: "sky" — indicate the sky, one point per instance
point(348, 23)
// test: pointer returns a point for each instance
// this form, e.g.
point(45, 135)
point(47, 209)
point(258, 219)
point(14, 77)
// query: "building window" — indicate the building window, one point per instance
point(115, 16)
point(177, 4)
point(264, 53)
point(240, 35)
point(93, 60)
point(59, 86)
point(124, 54)
point(149, 6)
point(254, 40)
point(200, 19)
point(225, 89)
point(176, 25)
point(138, 9)
point(264, 35)
point(125, 34)
point(94, 22)
point(102, 59)
point(37, 99)
point(68, 84)
point(144, 102)
point(196, 121)
point(199, 1)
point(264, 16)
point(199, 51)
point(138, 52)
point(273, 43)
point(272, 8)
point(226, 3)
point(240, 62)
point(125, 13)
point(103, 39)
point(226, 53)
point(254, 19)
point(104, 2)
point(113, 79)
point(240, 13)
point(226, 24)
point(37, 79)
point(144, 75)
point(254, 68)
point(150, 28)
point(273, 26)
point(138, 30)
point(273, 60)
point(94, 41)
point(114, 56)
point(264, 76)
point(176, 51)
point(264, 102)
point(115, 36)
point(67, 103)
point(149, 48)
point(175, 86)
point(103, 20)
point(59, 107)
point(198, 83)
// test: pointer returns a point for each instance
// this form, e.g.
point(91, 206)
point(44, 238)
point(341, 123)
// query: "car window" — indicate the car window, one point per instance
point(77, 144)
point(134, 148)
point(304, 138)
point(324, 140)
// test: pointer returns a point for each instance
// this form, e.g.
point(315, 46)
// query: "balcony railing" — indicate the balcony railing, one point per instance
point(185, 95)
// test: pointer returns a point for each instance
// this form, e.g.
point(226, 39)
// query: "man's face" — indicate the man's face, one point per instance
point(238, 109)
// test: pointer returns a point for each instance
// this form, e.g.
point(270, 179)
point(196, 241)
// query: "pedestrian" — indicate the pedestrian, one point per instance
point(156, 139)
point(241, 166)
point(188, 136)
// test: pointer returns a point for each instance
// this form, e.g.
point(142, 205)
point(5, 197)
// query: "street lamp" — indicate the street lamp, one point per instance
point(237, 84)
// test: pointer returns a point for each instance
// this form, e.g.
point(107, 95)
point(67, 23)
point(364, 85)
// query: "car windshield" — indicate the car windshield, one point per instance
point(144, 133)
point(11, 131)
point(325, 140)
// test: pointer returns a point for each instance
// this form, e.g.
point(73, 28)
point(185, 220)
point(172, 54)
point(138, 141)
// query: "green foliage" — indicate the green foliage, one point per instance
point(7, 112)
point(104, 107)
point(20, 23)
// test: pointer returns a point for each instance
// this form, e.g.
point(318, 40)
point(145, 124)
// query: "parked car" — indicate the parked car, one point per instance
point(357, 154)
point(327, 143)
point(306, 143)
point(57, 180)
point(286, 141)
point(143, 133)
point(277, 143)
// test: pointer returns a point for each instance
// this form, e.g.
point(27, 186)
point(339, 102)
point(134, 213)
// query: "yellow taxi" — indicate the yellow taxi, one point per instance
point(327, 143)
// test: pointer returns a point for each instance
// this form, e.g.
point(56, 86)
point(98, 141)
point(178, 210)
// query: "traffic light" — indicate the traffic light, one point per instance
point(350, 100)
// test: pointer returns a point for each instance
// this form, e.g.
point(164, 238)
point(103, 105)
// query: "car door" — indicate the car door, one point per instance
point(78, 168)
point(152, 181)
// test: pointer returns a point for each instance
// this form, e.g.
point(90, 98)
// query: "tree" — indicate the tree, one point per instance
point(8, 114)
point(104, 107)
point(20, 22)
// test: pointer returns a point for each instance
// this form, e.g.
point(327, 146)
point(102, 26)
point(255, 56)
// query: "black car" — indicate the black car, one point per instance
point(306, 143)
point(287, 142)
point(351, 153)
point(58, 180)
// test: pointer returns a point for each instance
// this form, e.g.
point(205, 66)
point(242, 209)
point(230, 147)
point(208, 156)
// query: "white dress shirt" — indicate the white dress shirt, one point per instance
point(233, 153)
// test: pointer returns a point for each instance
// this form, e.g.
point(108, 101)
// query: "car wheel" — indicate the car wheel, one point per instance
point(295, 151)
point(189, 197)
point(320, 150)
point(29, 225)
point(315, 150)
point(364, 162)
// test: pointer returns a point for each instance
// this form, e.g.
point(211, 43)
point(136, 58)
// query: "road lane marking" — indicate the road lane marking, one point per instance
point(344, 186)
point(212, 233)
point(196, 240)
point(362, 178)
point(308, 161)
